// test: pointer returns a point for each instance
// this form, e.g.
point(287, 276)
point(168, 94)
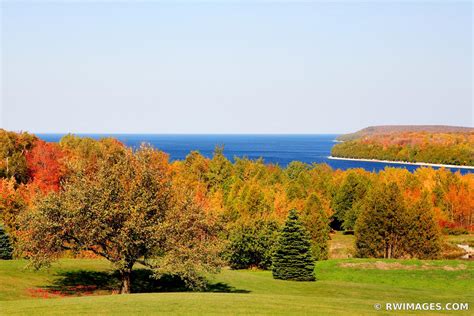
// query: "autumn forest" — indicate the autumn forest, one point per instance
point(247, 196)
point(431, 144)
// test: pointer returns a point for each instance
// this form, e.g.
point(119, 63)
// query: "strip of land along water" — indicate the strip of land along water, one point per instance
point(421, 164)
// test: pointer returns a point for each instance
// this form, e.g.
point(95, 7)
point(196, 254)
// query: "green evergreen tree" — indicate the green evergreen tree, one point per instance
point(347, 201)
point(381, 227)
point(293, 259)
point(424, 235)
point(6, 249)
point(220, 170)
point(388, 227)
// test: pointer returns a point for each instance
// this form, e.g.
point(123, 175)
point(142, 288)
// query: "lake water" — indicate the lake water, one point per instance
point(278, 149)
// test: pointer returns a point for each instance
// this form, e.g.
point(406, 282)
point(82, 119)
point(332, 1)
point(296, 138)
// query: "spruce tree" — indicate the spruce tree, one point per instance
point(292, 259)
point(6, 250)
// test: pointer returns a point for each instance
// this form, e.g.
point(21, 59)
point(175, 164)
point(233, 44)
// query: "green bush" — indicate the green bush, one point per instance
point(252, 245)
point(6, 249)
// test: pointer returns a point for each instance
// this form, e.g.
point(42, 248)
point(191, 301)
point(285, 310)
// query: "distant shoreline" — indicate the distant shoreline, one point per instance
point(427, 164)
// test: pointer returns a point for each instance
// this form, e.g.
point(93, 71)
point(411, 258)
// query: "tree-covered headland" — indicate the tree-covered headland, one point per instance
point(439, 145)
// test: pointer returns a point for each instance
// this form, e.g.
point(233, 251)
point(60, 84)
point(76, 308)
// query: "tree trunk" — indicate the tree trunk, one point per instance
point(126, 285)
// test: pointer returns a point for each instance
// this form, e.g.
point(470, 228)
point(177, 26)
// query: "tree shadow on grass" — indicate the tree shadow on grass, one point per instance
point(83, 282)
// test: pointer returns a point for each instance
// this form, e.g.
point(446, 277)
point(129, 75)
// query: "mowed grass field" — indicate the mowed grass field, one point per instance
point(344, 287)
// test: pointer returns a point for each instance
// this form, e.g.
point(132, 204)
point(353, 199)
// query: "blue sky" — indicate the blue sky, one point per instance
point(248, 67)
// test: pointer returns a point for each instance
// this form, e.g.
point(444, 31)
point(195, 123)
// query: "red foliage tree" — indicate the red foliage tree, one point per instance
point(45, 166)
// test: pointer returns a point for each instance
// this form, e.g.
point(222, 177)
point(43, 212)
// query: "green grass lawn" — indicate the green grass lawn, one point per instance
point(344, 286)
point(341, 246)
point(467, 239)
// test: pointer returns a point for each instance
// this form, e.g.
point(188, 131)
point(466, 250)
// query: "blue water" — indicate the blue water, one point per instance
point(278, 149)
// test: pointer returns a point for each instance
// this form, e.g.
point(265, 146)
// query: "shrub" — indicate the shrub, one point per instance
point(252, 245)
point(6, 249)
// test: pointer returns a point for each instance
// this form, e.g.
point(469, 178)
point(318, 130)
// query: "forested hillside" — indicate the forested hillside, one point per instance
point(431, 144)
point(395, 129)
